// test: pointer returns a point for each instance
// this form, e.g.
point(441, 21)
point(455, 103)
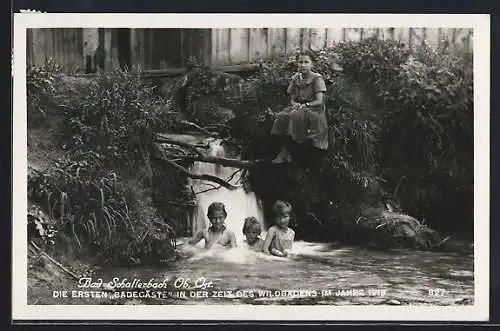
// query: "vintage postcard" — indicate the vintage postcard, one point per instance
point(251, 167)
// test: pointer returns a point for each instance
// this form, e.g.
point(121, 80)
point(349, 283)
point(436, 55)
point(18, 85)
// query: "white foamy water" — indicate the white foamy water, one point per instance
point(239, 204)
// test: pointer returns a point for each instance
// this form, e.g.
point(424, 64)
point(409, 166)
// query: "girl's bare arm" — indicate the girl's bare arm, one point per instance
point(267, 242)
point(196, 239)
point(318, 99)
point(292, 100)
point(277, 252)
point(232, 237)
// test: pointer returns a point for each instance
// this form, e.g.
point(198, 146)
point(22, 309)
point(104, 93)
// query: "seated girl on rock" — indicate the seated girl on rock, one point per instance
point(305, 119)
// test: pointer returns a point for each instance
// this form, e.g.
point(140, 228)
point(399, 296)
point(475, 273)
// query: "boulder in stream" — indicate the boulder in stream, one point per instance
point(400, 229)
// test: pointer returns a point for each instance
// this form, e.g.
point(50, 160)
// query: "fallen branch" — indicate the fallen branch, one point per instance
point(218, 126)
point(198, 155)
point(162, 139)
point(186, 172)
point(48, 257)
point(181, 204)
point(234, 174)
point(395, 194)
point(213, 188)
point(197, 127)
point(315, 218)
point(226, 162)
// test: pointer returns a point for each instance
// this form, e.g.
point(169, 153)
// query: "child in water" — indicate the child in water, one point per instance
point(252, 230)
point(279, 238)
point(217, 233)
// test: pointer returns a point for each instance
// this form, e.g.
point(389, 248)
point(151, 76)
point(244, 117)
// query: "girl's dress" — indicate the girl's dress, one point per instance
point(221, 238)
point(257, 246)
point(282, 239)
point(308, 122)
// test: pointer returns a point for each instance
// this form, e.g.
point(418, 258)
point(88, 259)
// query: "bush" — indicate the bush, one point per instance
point(41, 87)
point(116, 116)
point(426, 144)
point(97, 211)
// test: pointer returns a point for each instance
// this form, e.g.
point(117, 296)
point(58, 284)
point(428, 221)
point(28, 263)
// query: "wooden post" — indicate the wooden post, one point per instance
point(183, 60)
point(301, 38)
point(217, 36)
point(285, 37)
point(454, 39)
point(207, 46)
point(309, 43)
point(30, 47)
point(108, 62)
point(268, 52)
point(410, 38)
point(249, 33)
point(63, 40)
point(137, 49)
point(57, 53)
point(80, 52)
point(115, 60)
point(229, 42)
point(440, 38)
point(391, 33)
point(140, 47)
point(133, 50)
point(151, 63)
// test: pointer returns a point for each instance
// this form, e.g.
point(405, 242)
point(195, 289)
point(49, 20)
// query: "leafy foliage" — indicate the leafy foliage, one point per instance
point(94, 208)
point(41, 84)
point(40, 226)
point(205, 92)
point(427, 120)
point(115, 116)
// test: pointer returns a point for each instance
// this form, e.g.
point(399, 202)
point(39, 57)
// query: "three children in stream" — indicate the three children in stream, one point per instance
point(278, 241)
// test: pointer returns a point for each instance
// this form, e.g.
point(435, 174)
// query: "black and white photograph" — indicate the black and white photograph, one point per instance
point(261, 167)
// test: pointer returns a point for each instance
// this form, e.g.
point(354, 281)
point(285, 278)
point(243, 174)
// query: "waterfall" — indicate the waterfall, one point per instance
point(239, 204)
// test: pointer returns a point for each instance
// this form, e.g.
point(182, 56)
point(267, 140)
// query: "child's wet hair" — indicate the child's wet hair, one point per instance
point(306, 52)
point(216, 206)
point(281, 206)
point(251, 223)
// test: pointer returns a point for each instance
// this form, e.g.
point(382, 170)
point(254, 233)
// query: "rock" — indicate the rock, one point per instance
point(133, 302)
point(394, 302)
point(107, 287)
point(207, 110)
point(399, 228)
point(465, 301)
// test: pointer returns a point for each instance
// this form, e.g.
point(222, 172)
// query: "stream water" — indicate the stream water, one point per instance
point(315, 273)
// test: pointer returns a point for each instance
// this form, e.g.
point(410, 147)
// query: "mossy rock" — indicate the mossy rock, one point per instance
point(399, 229)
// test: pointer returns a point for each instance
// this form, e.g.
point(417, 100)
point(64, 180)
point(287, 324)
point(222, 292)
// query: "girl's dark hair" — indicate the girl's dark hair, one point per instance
point(251, 222)
point(214, 206)
point(306, 52)
point(280, 206)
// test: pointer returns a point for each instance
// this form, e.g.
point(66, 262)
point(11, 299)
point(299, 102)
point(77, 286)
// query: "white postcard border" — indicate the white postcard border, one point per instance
point(477, 312)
